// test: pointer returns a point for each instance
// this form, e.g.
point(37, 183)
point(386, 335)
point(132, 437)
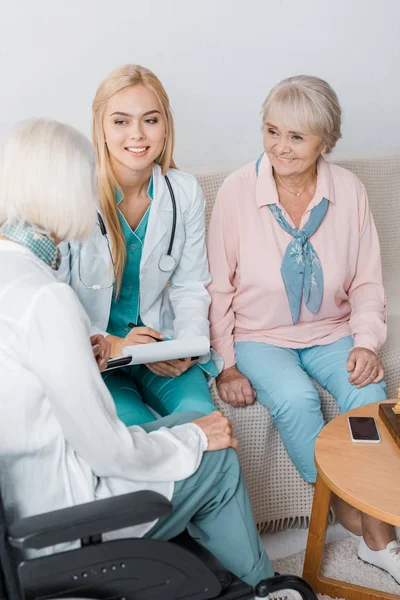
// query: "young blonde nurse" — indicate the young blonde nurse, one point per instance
point(147, 206)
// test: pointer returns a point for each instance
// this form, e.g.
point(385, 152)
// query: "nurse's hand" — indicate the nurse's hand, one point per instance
point(137, 335)
point(234, 388)
point(219, 431)
point(101, 349)
point(171, 368)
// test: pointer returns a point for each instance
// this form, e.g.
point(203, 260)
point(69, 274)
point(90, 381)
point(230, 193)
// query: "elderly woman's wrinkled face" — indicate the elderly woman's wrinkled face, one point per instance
point(291, 153)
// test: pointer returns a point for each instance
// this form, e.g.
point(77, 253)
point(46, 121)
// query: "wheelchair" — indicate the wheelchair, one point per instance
point(123, 569)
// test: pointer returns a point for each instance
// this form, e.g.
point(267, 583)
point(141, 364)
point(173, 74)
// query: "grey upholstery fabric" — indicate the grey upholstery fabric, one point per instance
point(280, 497)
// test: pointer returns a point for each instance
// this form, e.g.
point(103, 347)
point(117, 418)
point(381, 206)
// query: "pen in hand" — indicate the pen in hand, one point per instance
point(147, 331)
point(132, 326)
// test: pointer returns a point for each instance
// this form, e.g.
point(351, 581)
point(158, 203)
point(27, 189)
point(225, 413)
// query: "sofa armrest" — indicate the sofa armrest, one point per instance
point(89, 519)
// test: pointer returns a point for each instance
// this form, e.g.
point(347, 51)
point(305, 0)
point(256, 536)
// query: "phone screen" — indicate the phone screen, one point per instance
point(364, 428)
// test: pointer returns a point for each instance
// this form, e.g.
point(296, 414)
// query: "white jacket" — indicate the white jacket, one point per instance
point(61, 441)
point(174, 303)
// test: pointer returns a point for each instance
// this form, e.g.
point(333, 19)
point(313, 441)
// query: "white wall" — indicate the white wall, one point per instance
point(217, 59)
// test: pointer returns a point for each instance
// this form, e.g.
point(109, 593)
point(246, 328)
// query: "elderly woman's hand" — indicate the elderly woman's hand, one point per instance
point(234, 388)
point(218, 430)
point(101, 350)
point(365, 367)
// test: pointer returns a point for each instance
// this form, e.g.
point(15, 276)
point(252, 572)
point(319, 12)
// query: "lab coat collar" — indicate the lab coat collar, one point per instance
point(161, 206)
point(161, 197)
point(159, 219)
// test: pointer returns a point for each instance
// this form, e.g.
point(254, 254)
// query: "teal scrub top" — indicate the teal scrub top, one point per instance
point(126, 308)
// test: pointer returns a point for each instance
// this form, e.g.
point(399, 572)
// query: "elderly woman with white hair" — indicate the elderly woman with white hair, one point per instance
point(59, 429)
point(297, 289)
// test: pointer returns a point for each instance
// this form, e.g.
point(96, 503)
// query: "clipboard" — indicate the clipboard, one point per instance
point(161, 351)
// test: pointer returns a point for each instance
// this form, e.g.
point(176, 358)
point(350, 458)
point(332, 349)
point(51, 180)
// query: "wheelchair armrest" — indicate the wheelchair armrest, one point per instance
point(89, 519)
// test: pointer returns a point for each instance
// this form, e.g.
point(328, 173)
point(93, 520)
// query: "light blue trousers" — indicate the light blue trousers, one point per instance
point(214, 505)
point(281, 378)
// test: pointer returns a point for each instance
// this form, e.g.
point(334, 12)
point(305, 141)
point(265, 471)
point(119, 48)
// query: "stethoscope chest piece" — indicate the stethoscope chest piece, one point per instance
point(166, 263)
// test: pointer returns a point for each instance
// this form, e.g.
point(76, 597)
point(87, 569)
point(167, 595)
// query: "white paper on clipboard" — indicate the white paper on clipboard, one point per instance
point(173, 349)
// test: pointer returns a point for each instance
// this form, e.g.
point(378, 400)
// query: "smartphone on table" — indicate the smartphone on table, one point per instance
point(363, 430)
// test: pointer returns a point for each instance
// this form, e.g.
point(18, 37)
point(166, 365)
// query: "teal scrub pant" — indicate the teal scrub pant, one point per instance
point(136, 388)
point(214, 506)
point(281, 378)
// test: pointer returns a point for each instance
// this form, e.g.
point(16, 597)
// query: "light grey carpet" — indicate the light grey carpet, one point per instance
point(341, 562)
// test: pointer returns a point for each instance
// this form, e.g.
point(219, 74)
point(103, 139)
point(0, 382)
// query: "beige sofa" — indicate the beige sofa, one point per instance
point(280, 498)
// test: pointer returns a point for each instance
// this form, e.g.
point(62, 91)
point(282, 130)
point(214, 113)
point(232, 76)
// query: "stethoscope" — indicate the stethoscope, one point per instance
point(167, 262)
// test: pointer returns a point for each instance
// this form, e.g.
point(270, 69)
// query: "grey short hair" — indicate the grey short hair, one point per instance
point(47, 179)
point(306, 103)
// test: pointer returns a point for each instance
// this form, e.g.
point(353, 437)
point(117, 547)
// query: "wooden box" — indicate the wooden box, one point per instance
point(391, 420)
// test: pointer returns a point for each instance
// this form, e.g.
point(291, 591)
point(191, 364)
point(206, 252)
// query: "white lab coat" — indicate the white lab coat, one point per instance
point(61, 441)
point(174, 303)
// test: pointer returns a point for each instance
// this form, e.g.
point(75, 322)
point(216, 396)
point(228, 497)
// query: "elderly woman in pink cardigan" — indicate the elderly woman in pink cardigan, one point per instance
point(297, 287)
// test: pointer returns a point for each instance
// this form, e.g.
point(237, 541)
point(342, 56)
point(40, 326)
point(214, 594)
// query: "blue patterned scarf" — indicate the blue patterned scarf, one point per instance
point(39, 243)
point(301, 267)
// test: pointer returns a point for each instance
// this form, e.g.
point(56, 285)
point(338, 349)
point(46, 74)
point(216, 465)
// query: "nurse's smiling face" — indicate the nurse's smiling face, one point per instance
point(134, 129)
point(292, 154)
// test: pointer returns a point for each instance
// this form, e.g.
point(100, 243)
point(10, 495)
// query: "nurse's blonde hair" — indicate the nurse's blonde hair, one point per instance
point(306, 103)
point(121, 78)
point(48, 179)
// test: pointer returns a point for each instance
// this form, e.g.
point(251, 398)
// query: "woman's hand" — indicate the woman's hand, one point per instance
point(171, 368)
point(234, 388)
point(101, 349)
point(365, 367)
point(218, 430)
point(137, 335)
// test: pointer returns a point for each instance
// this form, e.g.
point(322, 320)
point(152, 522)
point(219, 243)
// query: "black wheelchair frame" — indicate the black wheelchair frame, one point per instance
point(123, 569)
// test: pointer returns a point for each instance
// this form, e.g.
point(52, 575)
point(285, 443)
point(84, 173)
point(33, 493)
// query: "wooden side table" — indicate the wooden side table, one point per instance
point(366, 476)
